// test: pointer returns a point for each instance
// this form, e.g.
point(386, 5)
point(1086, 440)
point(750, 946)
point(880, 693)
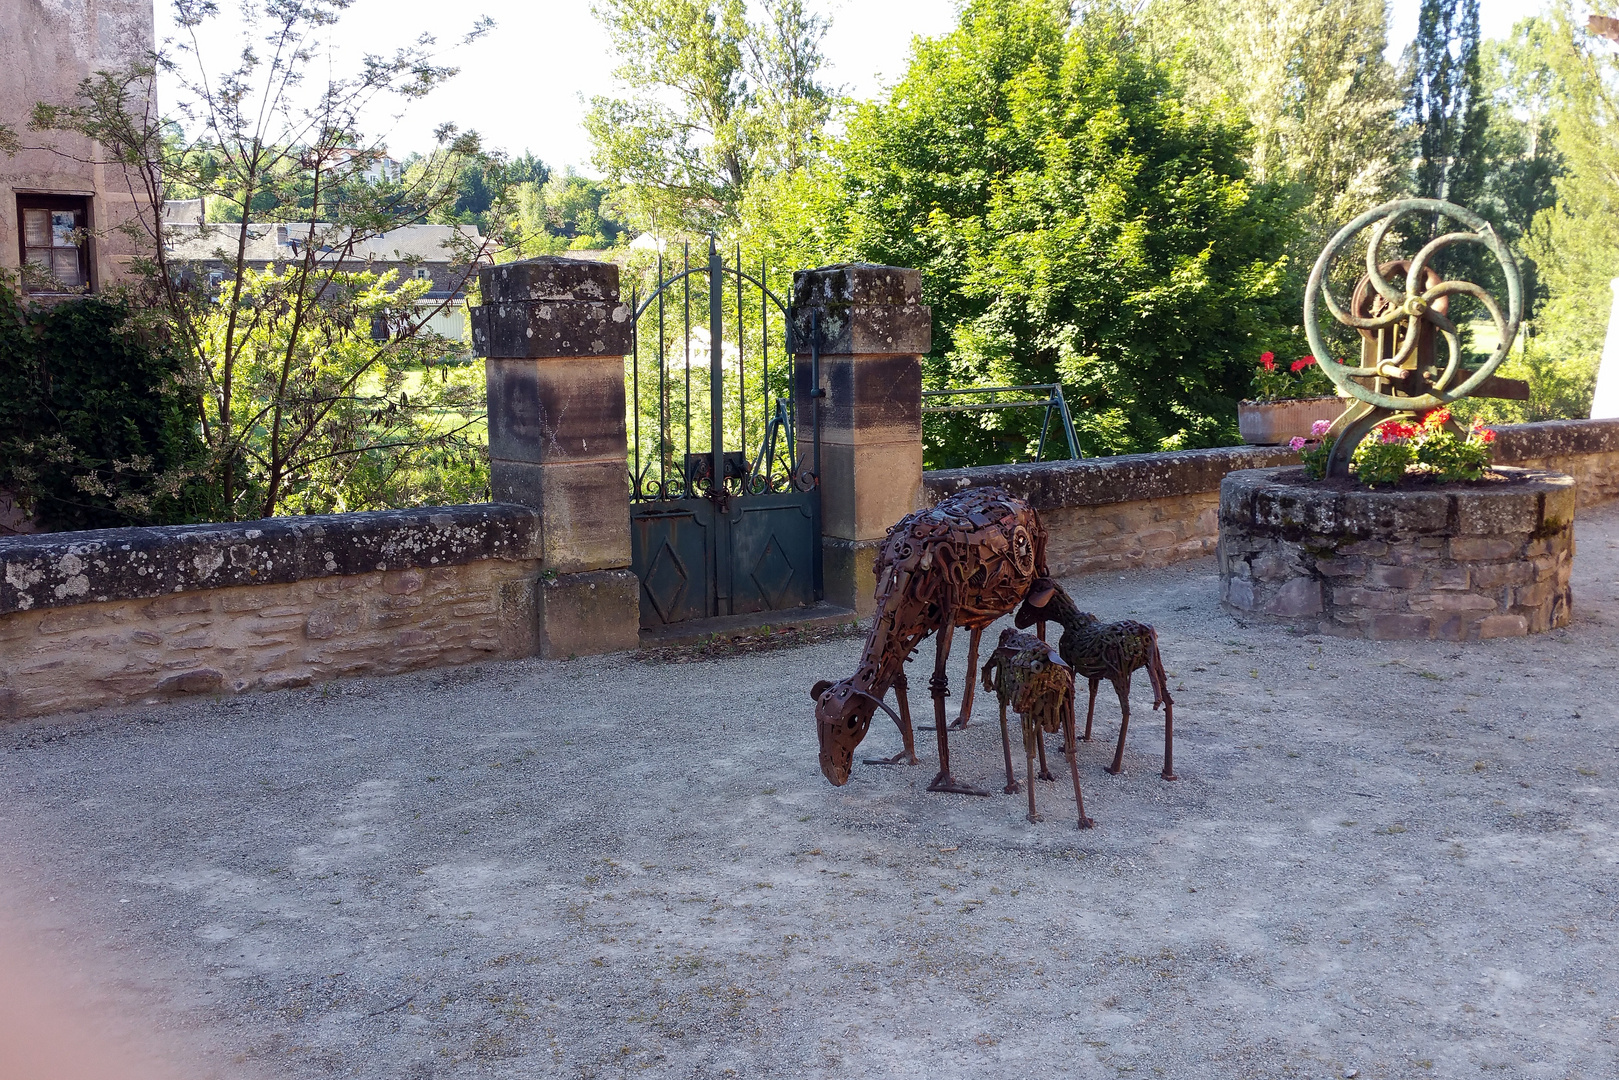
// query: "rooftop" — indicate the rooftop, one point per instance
point(272, 242)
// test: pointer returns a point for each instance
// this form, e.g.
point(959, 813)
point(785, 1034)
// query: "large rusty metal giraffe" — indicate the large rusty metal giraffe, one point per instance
point(965, 562)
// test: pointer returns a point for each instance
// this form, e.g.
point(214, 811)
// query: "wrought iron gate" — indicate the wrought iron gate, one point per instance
point(749, 541)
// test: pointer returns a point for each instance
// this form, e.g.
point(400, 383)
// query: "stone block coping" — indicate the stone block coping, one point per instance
point(64, 569)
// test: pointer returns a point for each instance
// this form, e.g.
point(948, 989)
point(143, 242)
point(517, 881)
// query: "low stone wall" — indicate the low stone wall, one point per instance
point(114, 616)
point(1137, 510)
point(1150, 510)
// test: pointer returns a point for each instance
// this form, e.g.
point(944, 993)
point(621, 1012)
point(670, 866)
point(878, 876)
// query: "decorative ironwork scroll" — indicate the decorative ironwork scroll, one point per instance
point(1399, 373)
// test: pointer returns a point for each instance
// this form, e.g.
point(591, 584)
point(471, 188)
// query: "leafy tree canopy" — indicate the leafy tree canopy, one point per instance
point(1073, 220)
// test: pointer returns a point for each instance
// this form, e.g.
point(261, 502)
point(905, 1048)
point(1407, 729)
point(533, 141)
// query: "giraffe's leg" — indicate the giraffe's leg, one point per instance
point(1073, 762)
point(1090, 711)
point(972, 671)
point(906, 756)
point(1006, 748)
point(940, 684)
point(1040, 741)
point(1169, 741)
point(1028, 762)
point(1122, 685)
point(1040, 629)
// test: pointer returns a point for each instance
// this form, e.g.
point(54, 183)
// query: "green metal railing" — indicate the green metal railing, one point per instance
point(1053, 402)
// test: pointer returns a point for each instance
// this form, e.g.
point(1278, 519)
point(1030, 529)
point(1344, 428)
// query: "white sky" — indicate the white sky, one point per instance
point(525, 85)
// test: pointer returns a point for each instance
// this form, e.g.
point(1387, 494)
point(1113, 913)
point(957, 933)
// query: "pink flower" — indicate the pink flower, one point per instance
point(1267, 361)
point(1298, 442)
point(1320, 427)
point(1301, 363)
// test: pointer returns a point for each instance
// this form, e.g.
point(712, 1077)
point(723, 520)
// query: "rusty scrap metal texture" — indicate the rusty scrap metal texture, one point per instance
point(965, 562)
point(1111, 651)
point(1028, 675)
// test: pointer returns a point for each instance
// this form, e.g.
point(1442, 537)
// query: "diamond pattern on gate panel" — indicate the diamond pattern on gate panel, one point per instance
point(772, 573)
point(665, 582)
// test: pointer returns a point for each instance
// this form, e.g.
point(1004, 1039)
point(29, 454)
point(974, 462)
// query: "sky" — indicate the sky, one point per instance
point(526, 85)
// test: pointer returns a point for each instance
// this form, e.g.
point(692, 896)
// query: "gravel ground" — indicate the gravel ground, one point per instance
point(1382, 860)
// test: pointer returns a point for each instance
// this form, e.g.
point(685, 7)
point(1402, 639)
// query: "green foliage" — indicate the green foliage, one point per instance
point(98, 427)
point(1310, 78)
point(714, 101)
point(1450, 457)
point(317, 384)
point(1446, 103)
point(1073, 221)
point(1384, 455)
point(1313, 453)
point(569, 211)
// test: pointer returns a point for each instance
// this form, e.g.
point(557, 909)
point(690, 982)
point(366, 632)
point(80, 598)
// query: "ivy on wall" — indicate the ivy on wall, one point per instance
point(98, 427)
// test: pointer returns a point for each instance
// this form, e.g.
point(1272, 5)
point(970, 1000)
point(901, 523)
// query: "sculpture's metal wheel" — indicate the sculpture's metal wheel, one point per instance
point(1413, 301)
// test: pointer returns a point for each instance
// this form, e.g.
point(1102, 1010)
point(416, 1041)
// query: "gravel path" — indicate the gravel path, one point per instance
point(1383, 859)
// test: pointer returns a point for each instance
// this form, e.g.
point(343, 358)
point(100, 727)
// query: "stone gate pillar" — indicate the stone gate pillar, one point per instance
point(872, 329)
point(554, 334)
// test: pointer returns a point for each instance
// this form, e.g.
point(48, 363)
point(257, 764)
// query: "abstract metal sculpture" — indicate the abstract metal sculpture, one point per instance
point(1398, 373)
point(965, 562)
point(1111, 651)
point(1028, 675)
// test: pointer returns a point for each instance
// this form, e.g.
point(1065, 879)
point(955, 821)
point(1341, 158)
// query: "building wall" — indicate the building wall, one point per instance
point(50, 46)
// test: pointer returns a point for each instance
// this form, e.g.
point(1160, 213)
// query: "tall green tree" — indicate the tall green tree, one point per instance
point(1310, 78)
point(1075, 221)
point(713, 101)
point(1446, 103)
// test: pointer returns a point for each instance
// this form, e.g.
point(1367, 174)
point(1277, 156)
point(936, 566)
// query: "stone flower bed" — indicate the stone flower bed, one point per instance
point(1456, 562)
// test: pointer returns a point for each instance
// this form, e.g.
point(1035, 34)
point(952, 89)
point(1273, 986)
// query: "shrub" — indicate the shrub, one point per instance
point(97, 426)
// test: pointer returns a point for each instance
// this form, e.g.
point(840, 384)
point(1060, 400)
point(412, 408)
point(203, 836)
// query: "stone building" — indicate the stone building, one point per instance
point(61, 201)
point(438, 254)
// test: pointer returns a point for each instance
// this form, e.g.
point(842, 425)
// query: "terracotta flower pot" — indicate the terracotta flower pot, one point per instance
point(1271, 423)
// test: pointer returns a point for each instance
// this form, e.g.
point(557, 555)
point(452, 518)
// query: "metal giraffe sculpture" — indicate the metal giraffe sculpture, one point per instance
point(1112, 651)
point(965, 562)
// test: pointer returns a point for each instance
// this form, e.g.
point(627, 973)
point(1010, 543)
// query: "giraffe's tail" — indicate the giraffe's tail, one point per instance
point(1155, 674)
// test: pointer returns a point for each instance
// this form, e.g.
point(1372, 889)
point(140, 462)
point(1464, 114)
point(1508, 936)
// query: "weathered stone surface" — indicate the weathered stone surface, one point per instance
point(1458, 563)
point(1051, 485)
point(121, 651)
point(585, 507)
point(847, 570)
point(872, 397)
point(860, 309)
point(584, 614)
point(54, 570)
point(545, 410)
point(551, 329)
point(549, 277)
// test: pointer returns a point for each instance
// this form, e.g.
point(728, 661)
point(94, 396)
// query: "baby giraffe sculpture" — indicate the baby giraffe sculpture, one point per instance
point(1028, 675)
point(1098, 651)
point(965, 562)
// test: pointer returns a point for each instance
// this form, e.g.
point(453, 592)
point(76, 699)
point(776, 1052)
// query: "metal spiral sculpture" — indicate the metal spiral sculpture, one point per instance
point(1399, 373)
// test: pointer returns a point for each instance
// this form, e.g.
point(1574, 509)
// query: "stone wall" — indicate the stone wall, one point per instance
point(121, 615)
point(1150, 510)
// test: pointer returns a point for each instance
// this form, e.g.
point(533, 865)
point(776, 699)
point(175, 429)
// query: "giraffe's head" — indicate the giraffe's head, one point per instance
point(842, 718)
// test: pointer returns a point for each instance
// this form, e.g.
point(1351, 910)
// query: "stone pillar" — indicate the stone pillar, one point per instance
point(871, 328)
point(554, 334)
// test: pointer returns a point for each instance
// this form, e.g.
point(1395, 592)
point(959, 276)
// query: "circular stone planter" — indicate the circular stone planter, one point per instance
point(1456, 562)
point(1271, 423)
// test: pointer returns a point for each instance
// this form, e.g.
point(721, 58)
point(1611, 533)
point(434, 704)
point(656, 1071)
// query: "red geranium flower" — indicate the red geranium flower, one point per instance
point(1487, 434)
point(1267, 360)
point(1301, 363)
point(1437, 418)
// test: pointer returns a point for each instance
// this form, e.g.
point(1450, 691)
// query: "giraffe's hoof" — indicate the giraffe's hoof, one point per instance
point(958, 723)
point(1169, 776)
point(1114, 770)
point(1045, 774)
point(1013, 788)
point(1087, 823)
point(947, 783)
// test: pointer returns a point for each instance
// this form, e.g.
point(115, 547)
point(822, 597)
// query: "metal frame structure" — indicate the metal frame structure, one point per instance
point(1054, 402)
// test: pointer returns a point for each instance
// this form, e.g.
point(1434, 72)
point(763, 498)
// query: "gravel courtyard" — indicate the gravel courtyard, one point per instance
point(1382, 860)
